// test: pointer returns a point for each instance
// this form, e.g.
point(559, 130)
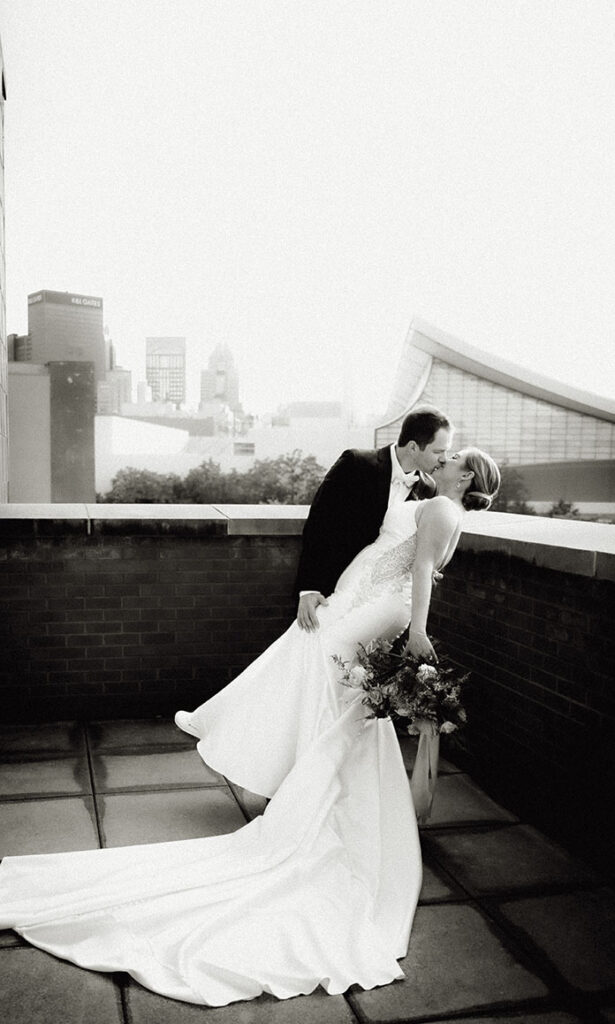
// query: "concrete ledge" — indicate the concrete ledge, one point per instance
point(264, 520)
point(154, 520)
point(580, 548)
point(16, 510)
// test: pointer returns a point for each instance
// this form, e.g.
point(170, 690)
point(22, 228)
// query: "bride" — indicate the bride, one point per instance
point(322, 888)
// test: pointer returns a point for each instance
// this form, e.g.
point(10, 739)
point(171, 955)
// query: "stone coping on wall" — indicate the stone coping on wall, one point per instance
point(581, 548)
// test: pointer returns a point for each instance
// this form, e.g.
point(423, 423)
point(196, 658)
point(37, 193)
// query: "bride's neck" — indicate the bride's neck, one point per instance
point(452, 493)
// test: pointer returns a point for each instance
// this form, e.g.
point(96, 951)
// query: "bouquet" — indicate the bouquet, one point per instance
point(420, 697)
point(405, 689)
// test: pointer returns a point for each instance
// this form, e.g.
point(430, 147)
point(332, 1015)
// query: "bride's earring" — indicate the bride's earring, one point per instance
point(458, 484)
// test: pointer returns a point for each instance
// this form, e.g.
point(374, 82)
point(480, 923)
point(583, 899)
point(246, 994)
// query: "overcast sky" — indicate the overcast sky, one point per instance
point(298, 178)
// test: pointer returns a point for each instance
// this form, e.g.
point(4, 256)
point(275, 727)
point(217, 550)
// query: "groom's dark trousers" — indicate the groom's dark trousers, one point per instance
point(346, 515)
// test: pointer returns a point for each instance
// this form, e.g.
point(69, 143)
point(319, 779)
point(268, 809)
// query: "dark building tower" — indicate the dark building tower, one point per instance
point(73, 396)
point(63, 327)
point(165, 369)
point(220, 381)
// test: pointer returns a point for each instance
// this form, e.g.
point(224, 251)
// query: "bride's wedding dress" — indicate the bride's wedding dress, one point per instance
point(320, 889)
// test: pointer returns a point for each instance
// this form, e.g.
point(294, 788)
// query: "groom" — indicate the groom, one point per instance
point(349, 506)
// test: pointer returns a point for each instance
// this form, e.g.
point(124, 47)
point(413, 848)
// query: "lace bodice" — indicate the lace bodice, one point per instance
point(384, 566)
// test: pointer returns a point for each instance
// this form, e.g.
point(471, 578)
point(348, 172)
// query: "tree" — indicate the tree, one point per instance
point(512, 495)
point(205, 484)
point(563, 510)
point(290, 479)
point(144, 487)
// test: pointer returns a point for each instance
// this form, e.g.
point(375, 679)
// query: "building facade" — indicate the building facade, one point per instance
point(220, 381)
point(165, 369)
point(4, 410)
point(64, 327)
point(51, 411)
point(518, 416)
point(114, 392)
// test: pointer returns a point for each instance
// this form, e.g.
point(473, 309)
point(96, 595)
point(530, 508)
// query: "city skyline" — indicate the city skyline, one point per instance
point(309, 178)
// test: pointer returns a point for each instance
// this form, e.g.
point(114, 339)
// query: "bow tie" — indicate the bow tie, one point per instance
point(406, 479)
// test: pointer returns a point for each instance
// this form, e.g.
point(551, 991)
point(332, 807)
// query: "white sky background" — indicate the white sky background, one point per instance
point(298, 178)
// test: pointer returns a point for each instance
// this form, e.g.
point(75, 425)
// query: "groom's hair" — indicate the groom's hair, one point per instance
point(422, 425)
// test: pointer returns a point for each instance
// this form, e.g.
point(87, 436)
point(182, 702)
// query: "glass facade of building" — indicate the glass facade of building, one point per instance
point(165, 369)
point(511, 424)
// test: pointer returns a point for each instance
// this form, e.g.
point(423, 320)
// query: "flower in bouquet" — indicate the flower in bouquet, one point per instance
point(413, 693)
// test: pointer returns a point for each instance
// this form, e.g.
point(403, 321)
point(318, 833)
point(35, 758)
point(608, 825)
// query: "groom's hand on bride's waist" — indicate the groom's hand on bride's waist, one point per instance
point(306, 612)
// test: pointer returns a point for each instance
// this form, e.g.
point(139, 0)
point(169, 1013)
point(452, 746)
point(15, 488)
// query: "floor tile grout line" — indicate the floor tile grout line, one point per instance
point(355, 1013)
point(97, 818)
point(122, 985)
point(19, 798)
point(34, 797)
point(236, 799)
point(171, 787)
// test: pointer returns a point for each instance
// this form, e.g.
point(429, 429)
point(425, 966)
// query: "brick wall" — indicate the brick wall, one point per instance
point(134, 619)
point(137, 616)
point(541, 699)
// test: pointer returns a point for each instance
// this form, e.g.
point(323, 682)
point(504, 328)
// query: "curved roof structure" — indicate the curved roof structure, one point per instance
point(433, 343)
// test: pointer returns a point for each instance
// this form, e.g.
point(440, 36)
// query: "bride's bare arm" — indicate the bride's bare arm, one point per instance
point(436, 527)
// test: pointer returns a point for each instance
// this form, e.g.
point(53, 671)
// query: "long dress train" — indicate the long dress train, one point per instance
point(320, 889)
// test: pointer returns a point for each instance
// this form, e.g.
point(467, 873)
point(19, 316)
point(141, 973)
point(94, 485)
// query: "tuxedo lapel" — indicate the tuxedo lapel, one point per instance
point(383, 457)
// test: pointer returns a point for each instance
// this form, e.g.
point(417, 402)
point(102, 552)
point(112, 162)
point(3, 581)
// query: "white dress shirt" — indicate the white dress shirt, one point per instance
point(401, 482)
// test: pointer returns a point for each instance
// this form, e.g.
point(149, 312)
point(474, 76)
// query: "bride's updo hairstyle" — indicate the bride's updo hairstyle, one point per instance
point(485, 483)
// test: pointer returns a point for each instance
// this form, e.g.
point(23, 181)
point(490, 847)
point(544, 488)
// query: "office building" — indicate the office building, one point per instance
point(220, 381)
point(51, 448)
point(165, 369)
point(114, 392)
point(65, 327)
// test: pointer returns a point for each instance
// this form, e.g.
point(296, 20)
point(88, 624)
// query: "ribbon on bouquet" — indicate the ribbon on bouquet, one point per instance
point(425, 771)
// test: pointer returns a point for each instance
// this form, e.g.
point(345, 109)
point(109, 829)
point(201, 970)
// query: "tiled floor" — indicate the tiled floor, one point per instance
point(509, 927)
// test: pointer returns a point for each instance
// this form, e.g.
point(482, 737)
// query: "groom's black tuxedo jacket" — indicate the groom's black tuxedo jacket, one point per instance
point(346, 515)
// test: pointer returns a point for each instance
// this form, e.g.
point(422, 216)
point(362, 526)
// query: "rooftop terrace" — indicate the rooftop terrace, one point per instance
point(115, 616)
point(510, 927)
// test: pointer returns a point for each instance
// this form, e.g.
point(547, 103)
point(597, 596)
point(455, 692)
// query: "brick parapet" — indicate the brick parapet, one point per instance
point(134, 611)
point(118, 617)
point(540, 648)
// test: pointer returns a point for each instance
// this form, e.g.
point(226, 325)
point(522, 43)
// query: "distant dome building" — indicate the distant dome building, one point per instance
point(566, 436)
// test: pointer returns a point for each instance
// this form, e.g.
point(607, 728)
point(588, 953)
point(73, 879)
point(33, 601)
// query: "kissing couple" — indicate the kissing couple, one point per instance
point(321, 889)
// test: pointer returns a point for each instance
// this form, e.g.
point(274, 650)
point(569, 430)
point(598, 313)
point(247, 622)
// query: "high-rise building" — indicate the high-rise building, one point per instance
point(52, 431)
point(165, 369)
point(220, 381)
point(114, 391)
point(65, 327)
point(4, 425)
